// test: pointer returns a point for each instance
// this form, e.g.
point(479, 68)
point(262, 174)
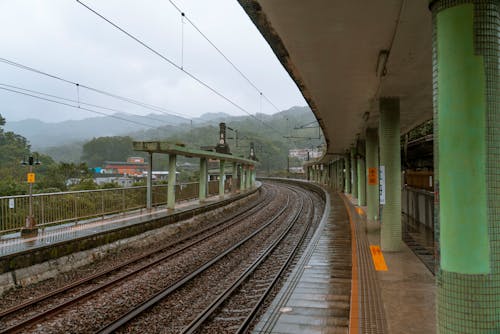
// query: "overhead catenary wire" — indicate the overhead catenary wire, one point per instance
point(243, 75)
point(79, 102)
point(76, 107)
point(172, 63)
point(96, 90)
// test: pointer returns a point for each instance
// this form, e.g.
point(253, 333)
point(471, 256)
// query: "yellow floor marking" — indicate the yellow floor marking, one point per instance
point(378, 258)
point(360, 211)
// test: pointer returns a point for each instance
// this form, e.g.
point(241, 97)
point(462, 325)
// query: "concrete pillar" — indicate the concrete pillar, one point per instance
point(372, 190)
point(203, 180)
point(467, 160)
point(149, 183)
point(247, 177)
point(347, 174)
point(390, 163)
point(172, 159)
point(361, 180)
point(252, 176)
point(333, 175)
point(222, 178)
point(234, 178)
point(354, 173)
point(242, 178)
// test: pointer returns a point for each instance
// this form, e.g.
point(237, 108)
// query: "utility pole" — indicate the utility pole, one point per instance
point(30, 228)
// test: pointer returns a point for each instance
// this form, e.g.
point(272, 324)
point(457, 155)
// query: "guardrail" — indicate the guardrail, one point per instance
point(63, 207)
point(418, 224)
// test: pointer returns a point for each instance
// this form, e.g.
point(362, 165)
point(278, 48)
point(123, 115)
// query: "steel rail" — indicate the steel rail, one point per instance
point(147, 304)
point(196, 324)
point(237, 217)
point(248, 320)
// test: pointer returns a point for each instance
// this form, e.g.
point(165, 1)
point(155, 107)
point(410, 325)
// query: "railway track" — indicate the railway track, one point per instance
point(247, 294)
point(186, 242)
point(120, 275)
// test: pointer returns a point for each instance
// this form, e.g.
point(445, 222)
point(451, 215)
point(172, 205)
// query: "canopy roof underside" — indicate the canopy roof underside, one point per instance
point(336, 52)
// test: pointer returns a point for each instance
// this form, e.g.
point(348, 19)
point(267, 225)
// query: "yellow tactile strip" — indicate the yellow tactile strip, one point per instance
point(378, 258)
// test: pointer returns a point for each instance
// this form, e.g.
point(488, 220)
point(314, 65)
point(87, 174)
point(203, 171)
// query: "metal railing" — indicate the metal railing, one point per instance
point(63, 207)
point(418, 223)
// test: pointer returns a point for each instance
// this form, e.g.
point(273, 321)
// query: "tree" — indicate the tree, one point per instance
point(101, 149)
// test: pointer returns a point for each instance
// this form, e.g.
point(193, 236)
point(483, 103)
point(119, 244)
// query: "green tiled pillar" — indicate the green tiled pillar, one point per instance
point(390, 162)
point(354, 173)
point(172, 159)
point(361, 181)
point(467, 164)
point(372, 191)
point(347, 174)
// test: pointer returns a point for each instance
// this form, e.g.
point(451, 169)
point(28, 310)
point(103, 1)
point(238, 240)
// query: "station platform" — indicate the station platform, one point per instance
point(318, 296)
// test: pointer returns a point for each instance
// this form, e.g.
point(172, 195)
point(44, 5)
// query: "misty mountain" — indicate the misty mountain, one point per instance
point(63, 141)
point(41, 134)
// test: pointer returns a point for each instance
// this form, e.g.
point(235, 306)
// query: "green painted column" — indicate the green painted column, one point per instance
point(203, 180)
point(234, 175)
point(333, 177)
point(354, 174)
point(347, 174)
point(372, 190)
point(242, 178)
point(361, 181)
point(149, 182)
point(252, 176)
point(222, 178)
point(247, 178)
point(172, 159)
point(390, 162)
point(467, 164)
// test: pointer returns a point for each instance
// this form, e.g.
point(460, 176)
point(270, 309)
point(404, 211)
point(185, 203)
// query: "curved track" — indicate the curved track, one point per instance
point(131, 294)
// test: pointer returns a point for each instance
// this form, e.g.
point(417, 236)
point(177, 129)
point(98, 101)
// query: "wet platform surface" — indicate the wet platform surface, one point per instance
point(316, 297)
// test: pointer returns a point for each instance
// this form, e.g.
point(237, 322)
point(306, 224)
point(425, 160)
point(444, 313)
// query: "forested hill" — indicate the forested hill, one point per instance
point(42, 135)
point(268, 132)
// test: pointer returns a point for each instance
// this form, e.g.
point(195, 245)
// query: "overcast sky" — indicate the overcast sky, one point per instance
point(61, 37)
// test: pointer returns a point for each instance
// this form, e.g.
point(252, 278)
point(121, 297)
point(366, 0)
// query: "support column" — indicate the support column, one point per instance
point(149, 183)
point(372, 190)
point(333, 175)
point(247, 177)
point(234, 178)
point(252, 176)
point(172, 159)
point(222, 178)
point(354, 174)
point(347, 174)
point(467, 160)
point(390, 162)
point(242, 178)
point(361, 181)
point(203, 180)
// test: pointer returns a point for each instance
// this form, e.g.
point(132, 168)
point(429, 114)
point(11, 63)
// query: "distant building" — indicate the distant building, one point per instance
point(122, 181)
point(305, 154)
point(134, 166)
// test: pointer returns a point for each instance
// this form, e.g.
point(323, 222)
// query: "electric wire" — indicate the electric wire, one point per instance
point(76, 107)
point(171, 62)
point(100, 91)
point(224, 56)
point(79, 102)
